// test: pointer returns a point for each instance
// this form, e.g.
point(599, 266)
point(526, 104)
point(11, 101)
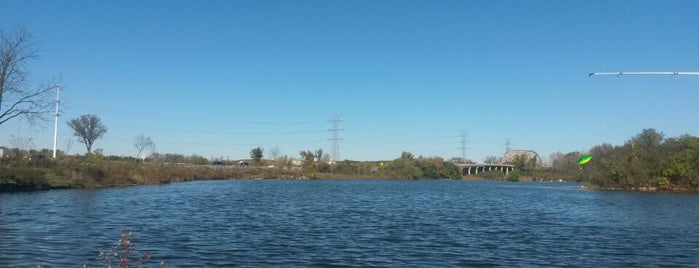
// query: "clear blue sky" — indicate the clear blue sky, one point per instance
point(218, 78)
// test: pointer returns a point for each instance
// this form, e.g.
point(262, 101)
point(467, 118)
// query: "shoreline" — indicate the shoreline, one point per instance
point(28, 188)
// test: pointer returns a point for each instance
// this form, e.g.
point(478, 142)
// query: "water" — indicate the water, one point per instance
point(354, 223)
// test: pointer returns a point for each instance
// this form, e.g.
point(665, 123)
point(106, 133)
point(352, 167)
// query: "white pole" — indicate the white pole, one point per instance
point(55, 125)
point(645, 73)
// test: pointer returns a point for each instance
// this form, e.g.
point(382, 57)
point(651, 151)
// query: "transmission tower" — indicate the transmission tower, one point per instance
point(508, 143)
point(336, 136)
point(463, 147)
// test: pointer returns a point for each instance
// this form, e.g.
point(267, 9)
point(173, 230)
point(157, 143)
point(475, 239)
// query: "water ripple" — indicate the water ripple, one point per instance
point(354, 224)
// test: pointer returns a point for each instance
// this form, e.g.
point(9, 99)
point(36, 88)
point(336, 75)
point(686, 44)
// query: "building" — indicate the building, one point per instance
point(6, 152)
point(511, 155)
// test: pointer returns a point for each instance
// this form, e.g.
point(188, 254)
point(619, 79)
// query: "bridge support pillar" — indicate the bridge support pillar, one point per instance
point(475, 169)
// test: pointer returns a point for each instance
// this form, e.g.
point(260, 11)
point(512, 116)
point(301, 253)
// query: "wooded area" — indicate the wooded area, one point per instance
point(648, 161)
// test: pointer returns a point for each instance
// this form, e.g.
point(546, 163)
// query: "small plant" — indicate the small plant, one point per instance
point(664, 184)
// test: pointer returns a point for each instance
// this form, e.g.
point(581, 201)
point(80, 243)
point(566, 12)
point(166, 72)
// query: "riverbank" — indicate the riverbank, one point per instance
point(19, 187)
point(80, 172)
point(650, 189)
point(77, 173)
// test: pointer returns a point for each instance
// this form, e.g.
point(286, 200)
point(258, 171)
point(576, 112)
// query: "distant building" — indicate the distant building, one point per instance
point(510, 156)
point(5, 152)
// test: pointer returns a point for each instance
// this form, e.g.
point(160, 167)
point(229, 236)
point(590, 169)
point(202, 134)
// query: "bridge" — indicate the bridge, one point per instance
point(468, 169)
point(510, 156)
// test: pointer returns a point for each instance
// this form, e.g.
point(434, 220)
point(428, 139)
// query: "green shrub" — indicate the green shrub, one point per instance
point(514, 175)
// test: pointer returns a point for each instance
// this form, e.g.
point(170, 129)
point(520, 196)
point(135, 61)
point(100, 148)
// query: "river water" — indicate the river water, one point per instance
point(354, 223)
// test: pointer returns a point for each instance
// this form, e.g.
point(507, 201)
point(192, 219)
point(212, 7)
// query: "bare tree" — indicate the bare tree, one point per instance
point(22, 143)
point(88, 128)
point(142, 142)
point(274, 155)
point(274, 152)
point(491, 159)
point(16, 98)
point(69, 145)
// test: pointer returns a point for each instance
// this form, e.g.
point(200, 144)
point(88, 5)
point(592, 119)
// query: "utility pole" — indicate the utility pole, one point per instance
point(644, 73)
point(336, 136)
point(55, 125)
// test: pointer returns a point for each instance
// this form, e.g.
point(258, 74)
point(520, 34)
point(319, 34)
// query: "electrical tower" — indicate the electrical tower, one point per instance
point(508, 143)
point(463, 145)
point(336, 136)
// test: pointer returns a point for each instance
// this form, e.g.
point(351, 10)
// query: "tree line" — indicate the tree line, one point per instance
point(646, 161)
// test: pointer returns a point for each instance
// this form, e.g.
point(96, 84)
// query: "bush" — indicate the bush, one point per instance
point(514, 176)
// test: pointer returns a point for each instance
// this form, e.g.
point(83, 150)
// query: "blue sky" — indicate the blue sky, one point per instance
point(218, 78)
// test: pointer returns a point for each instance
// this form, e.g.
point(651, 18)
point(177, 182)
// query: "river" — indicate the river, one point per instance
point(354, 223)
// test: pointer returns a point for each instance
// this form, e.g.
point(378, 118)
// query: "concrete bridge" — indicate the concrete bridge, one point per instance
point(468, 169)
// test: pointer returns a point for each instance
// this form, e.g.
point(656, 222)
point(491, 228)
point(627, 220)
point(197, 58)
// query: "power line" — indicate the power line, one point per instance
point(167, 117)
